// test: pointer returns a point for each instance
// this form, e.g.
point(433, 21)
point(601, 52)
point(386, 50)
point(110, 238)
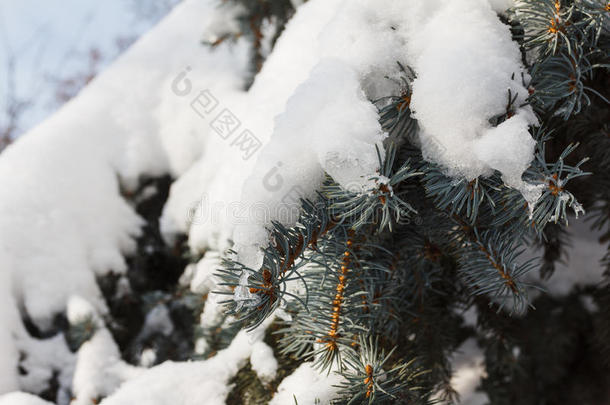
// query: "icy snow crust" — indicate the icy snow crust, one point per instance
point(157, 109)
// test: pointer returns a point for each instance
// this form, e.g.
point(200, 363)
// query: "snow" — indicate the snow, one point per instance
point(465, 61)
point(511, 135)
point(453, 99)
point(148, 358)
point(332, 47)
point(201, 202)
point(263, 362)
point(158, 320)
point(42, 359)
point(99, 369)
point(52, 227)
point(307, 385)
point(62, 216)
point(500, 6)
point(226, 24)
point(10, 322)
point(343, 51)
point(468, 367)
point(189, 383)
point(203, 280)
point(21, 398)
point(580, 266)
point(79, 310)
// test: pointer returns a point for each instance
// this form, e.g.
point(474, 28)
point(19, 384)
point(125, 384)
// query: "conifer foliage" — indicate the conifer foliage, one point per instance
point(372, 284)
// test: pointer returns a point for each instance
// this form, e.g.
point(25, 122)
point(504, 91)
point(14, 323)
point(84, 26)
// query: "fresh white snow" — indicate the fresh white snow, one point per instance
point(307, 385)
point(190, 383)
point(468, 363)
point(22, 398)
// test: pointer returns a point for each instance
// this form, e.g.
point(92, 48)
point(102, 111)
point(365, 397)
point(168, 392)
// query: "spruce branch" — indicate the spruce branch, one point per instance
point(548, 25)
point(559, 82)
point(489, 265)
point(371, 377)
point(379, 205)
point(460, 196)
point(596, 16)
point(340, 302)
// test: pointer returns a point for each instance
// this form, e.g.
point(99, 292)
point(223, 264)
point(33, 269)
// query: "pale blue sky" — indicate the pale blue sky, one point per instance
point(50, 41)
